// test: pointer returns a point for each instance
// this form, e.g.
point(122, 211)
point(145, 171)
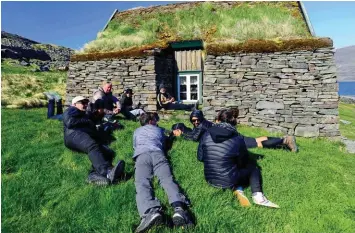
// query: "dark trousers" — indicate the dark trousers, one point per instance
point(250, 175)
point(100, 156)
point(171, 106)
point(51, 108)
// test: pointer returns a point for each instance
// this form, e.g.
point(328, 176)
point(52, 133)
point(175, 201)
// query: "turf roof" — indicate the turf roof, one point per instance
point(212, 22)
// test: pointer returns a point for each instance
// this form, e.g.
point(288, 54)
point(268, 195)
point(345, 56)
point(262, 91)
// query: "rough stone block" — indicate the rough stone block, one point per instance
point(269, 105)
point(307, 131)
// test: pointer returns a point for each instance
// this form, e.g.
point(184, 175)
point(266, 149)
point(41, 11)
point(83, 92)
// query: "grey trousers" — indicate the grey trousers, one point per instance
point(147, 165)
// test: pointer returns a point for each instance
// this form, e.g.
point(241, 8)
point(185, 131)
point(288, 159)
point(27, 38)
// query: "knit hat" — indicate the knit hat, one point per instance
point(162, 86)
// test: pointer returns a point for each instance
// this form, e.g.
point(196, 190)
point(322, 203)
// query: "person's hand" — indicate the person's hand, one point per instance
point(116, 110)
point(172, 99)
point(177, 132)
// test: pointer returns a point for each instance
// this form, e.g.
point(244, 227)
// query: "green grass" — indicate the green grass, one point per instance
point(44, 189)
point(21, 87)
point(206, 21)
point(347, 112)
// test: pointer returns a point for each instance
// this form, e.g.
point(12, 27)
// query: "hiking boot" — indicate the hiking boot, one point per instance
point(116, 172)
point(97, 179)
point(260, 199)
point(243, 200)
point(182, 218)
point(290, 142)
point(152, 218)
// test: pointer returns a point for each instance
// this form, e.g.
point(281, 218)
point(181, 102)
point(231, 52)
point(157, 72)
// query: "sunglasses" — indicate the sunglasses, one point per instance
point(195, 120)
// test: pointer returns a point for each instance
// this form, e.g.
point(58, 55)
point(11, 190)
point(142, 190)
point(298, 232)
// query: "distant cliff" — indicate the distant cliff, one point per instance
point(29, 51)
point(345, 62)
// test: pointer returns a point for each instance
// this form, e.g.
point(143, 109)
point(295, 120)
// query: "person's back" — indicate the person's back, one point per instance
point(148, 138)
point(221, 150)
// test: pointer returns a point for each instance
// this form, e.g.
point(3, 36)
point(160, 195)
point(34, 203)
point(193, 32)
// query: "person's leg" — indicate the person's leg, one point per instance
point(144, 191)
point(108, 153)
point(84, 143)
point(177, 200)
point(59, 106)
point(137, 112)
point(271, 142)
point(50, 110)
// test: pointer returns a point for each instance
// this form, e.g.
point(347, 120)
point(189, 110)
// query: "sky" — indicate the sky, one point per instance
point(72, 24)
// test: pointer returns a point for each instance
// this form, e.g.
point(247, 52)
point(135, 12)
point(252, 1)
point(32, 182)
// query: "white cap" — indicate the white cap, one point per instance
point(78, 98)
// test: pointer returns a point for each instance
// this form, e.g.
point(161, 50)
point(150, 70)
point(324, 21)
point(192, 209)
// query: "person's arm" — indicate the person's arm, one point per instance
point(97, 95)
point(243, 154)
point(77, 120)
point(200, 149)
point(134, 140)
point(195, 134)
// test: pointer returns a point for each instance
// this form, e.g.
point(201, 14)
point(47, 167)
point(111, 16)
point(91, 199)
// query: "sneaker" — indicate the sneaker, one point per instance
point(116, 172)
point(152, 218)
point(97, 179)
point(181, 218)
point(290, 142)
point(243, 200)
point(260, 199)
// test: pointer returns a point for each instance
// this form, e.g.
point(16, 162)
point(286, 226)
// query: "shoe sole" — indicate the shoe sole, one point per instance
point(294, 145)
point(99, 183)
point(243, 200)
point(158, 220)
point(178, 221)
point(119, 169)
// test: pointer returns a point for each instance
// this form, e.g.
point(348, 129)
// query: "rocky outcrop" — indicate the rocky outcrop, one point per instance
point(43, 55)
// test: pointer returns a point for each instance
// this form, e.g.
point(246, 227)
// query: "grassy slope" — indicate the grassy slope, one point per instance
point(44, 190)
point(206, 21)
point(347, 112)
point(21, 87)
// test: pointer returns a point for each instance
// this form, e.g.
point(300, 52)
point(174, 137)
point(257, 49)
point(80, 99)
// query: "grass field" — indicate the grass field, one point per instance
point(44, 189)
point(347, 112)
point(21, 87)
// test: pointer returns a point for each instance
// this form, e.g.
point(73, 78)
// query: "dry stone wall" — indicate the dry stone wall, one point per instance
point(136, 73)
point(292, 92)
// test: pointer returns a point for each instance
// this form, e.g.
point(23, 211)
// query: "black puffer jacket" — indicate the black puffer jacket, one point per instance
point(223, 153)
point(75, 121)
point(198, 131)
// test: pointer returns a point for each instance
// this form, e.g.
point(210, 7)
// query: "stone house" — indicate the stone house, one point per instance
point(287, 85)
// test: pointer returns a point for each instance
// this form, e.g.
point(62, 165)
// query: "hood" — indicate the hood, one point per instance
point(222, 132)
point(198, 114)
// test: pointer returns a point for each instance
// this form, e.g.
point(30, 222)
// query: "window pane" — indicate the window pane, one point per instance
point(193, 80)
point(182, 80)
point(183, 96)
point(182, 88)
point(193, 96)
point(193, 88)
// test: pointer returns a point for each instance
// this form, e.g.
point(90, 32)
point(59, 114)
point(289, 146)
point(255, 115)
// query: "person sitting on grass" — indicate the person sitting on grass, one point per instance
point(226, 160)
point(150, 144)
point(167, 102)
point(80, 134)
point(200, 125)
point(130, 111)
point(105, 93)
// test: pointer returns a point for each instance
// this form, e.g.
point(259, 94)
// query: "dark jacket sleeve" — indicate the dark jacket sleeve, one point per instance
point(73, 119)
point(200, 149)
point(195, 134)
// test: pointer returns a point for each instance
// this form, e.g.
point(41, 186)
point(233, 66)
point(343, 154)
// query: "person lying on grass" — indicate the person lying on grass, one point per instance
point(80, 134)
point(200, 125)
point(226, 160)
point(150, 145)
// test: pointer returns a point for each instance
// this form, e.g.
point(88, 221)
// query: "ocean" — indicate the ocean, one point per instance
point(347, 88)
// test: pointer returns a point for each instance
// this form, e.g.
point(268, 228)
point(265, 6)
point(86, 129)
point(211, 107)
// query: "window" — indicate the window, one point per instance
point(188, 87)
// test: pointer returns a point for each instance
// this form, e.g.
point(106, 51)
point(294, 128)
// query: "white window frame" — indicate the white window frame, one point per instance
point(188, 85)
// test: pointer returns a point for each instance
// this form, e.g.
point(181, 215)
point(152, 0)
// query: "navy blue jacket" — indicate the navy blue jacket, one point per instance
point(223, 152)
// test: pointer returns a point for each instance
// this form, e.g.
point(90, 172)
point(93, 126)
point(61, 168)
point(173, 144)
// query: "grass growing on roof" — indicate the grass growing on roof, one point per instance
point(44, 189)
point(205, 21)
point(21, 87)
